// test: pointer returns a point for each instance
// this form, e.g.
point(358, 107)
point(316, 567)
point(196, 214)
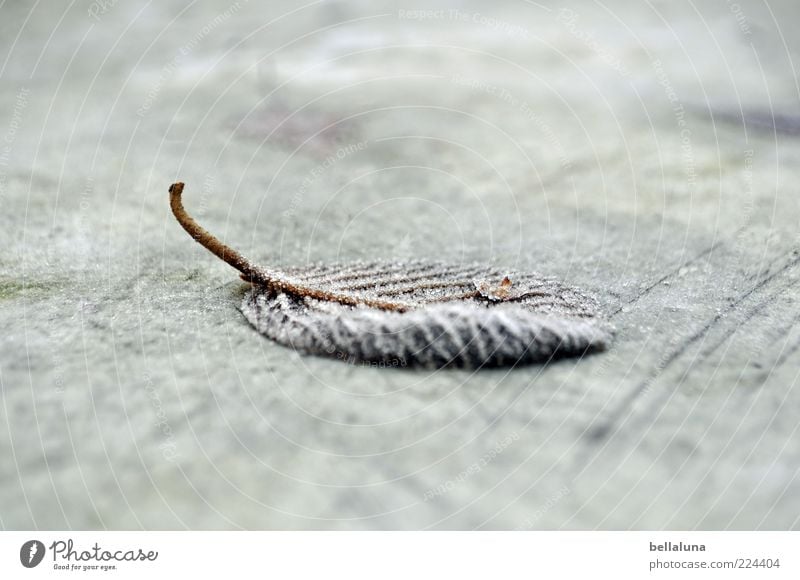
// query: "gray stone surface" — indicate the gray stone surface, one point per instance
point(601, 143)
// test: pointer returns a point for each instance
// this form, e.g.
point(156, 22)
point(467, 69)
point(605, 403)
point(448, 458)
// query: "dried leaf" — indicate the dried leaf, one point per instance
point(413, 313)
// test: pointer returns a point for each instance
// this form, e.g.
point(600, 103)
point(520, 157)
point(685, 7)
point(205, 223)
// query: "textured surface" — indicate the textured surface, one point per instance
point(466, 316)
point(606, 147)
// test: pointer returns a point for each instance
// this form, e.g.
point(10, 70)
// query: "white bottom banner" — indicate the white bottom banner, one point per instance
point(400, 555)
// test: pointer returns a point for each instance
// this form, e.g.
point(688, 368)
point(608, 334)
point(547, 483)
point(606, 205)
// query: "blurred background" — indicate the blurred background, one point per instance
point(647, 152)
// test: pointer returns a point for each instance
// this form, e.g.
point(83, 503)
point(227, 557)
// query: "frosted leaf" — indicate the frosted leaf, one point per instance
point(413, 313)
point(439, 315)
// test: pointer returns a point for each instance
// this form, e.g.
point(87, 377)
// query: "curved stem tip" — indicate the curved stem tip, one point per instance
point(204, 238)
point(253, 274)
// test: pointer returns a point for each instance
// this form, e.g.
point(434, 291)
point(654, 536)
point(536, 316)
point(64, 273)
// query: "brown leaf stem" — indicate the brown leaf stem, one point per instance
point(204, 238)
